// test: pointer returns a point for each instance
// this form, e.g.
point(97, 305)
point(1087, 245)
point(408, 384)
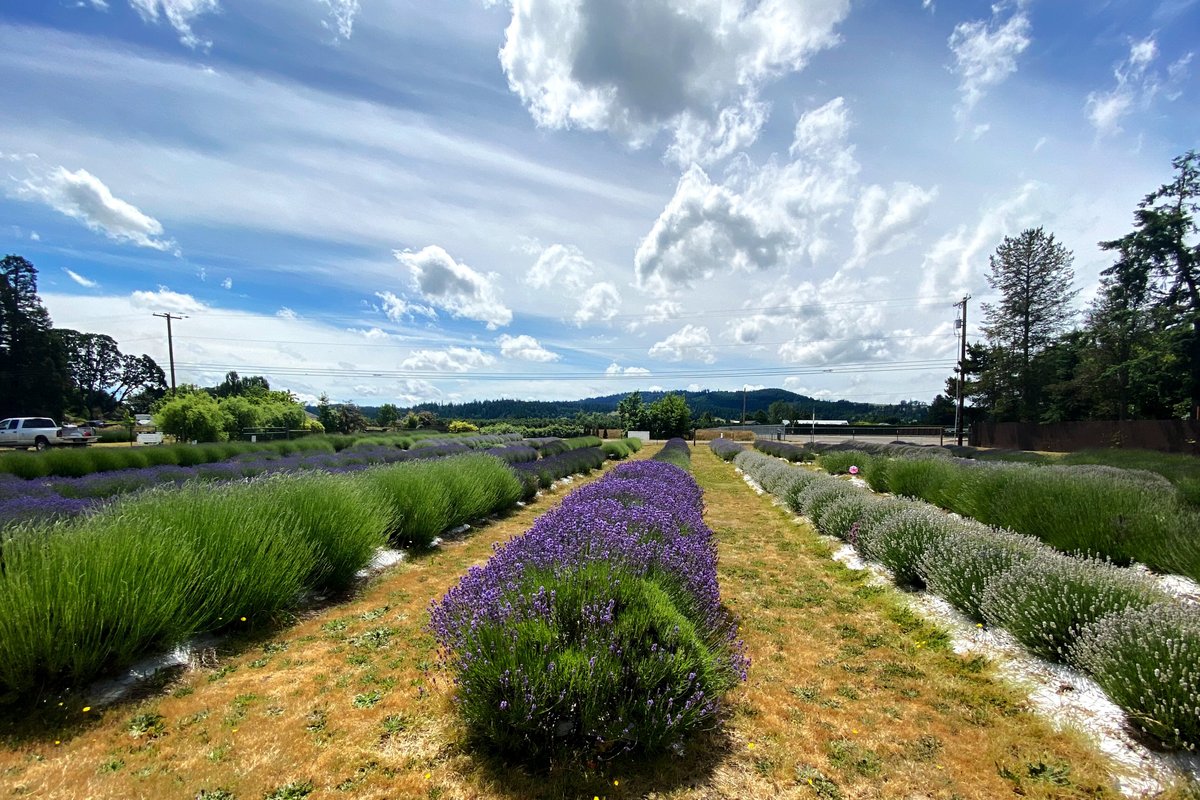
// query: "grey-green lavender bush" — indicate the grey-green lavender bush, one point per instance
point(837, 518)
point(958, 566)
point(1148, 661)
point(818, 494)
point(1046, 600)
point(899, 540)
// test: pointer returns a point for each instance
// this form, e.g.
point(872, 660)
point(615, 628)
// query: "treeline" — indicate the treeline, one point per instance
point(707, 407)
point(1135, 351)
point(56, 372)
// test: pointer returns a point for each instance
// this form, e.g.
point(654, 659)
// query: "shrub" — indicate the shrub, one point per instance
point(1045, 600)
point(725, 449)
point(839, 516)
point(899, 540)
point(676, 452)
point(838, 462)
point(819, 493)
point(193, 417)
point(791, 452)
point(959, 566)
point(1148, 661)
point(598, 631)
point(460, 426)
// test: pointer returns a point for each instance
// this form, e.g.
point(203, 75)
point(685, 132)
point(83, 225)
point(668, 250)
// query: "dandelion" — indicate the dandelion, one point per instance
point(87, 709)
point(427, 776)
point(243, 619)
point(616, 783)
point(750, 745)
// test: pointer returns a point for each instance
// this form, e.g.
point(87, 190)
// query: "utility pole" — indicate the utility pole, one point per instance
point(745, 390)
point(961, 324)
point(171, 344)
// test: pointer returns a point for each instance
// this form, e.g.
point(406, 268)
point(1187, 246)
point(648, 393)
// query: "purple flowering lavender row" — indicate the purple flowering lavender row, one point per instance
point(600, 630)
point(725, 449)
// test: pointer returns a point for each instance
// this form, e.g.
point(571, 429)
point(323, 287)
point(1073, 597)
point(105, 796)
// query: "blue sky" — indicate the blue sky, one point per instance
point(405, 201)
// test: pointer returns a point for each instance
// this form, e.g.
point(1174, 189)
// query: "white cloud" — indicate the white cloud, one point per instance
point(985, 54)
point(82, 281)
point(615, 369)
point(689, 342)
point(826, 329)
point(342, 14)
point(375, 334)
point(399, 309)
point(525, 347)
point(760, 217)
point(412, 392)
point(634, 68)
point(227, 283)
point(84, 197)
point(600, 303)
point(180, 14)
point(694, 387)
point(456, 287)
point(452, 359)
point(956, 262)
point(1138, 84)
point(35, 236)
point(286, 313)
point(748, 331)
point(165, 300)
point(655, 313)
point(560, 266)
point(884, 221)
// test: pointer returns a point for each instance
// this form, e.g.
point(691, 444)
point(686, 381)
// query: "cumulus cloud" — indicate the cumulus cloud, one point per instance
point(600, 303)
point(985, 54)
point(455, 287)
point(399, 309)
point(827, 330)
point(287, 313)
point(341, 17)
point(758, 218)
point(655, 313)
point(635, 68)
point(1137, 85)
point(886, 220)
point(690, 342)
point(84, 197)
point(82, 281)
point(227, 283)
point(525, 347)
point(411, 392)
point(614, 369)
point(560, 266)
point(163, 299)
point(453, 359)
point(179, 14)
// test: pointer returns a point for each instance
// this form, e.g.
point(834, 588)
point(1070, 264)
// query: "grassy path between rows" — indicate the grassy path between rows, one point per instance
point(850, 695)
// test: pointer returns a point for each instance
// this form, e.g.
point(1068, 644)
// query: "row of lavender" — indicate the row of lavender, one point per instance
point(600, 630)
point(1124, 515)
point(63, 497)
point(1140, 644)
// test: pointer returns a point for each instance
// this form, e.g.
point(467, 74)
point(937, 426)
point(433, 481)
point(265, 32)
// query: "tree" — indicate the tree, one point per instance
point(1033, 274)
point(780, 410)
point(102, 376)
point(631, 411)
point(193, 416)
point(387, 415)
point(33, 372)
point(668, 417)
point(1159, 261)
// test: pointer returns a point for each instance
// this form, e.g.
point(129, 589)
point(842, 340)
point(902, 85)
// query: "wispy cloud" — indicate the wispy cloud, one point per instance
point(82, 281)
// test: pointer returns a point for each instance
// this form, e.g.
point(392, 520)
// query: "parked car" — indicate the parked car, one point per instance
point(42, 433)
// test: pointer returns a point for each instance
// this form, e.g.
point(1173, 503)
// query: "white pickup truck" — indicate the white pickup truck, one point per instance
point(42, 433)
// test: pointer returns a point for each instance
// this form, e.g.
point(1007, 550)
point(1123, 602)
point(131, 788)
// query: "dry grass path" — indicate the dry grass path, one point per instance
point(850, 696)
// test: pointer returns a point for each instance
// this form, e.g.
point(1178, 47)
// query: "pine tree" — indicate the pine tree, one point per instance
point(1032, 272)
point(33, 373)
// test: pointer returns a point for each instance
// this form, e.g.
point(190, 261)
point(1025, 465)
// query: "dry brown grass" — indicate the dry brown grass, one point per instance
point(850, 696)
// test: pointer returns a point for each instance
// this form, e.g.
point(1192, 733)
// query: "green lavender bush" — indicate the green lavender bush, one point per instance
point(1148, 661)
point(838, 462)
point(1045, 600)
point(839, 516)
point(818, 494)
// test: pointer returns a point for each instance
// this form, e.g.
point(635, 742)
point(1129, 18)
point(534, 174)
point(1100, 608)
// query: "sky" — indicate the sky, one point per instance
point(406, 201)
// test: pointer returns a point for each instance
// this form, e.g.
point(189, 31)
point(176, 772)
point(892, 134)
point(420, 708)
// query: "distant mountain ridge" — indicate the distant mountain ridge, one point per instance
point(719, 403)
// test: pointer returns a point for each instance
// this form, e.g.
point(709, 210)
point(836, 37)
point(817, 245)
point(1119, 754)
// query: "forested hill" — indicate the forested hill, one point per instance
point(720, 404)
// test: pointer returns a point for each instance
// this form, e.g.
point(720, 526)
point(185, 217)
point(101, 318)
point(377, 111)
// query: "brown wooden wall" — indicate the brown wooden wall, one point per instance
point(1168, 435)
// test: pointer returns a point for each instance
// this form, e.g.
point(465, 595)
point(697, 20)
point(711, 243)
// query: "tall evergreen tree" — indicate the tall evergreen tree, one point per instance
point(1032, 272)
point(33, 374)
point(1160, 261)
